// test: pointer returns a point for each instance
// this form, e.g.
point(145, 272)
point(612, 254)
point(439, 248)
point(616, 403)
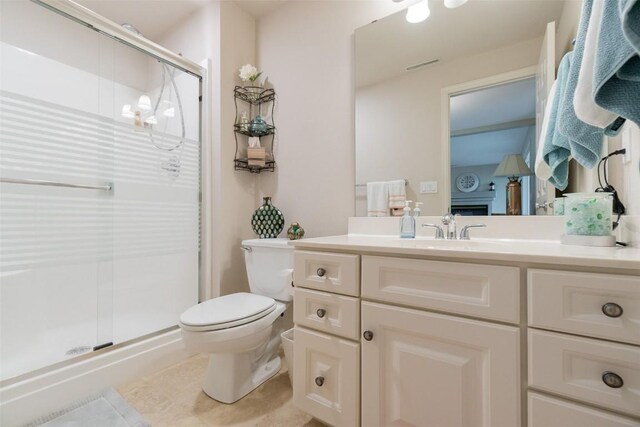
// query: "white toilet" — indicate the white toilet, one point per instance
point(242, 331)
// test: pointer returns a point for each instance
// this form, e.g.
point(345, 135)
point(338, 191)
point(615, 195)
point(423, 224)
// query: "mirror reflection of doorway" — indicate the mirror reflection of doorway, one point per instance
point(486, 126)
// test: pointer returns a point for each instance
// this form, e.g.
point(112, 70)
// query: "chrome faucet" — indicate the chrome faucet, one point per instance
point(464, 233)
point(439, 232)
point(449, 220)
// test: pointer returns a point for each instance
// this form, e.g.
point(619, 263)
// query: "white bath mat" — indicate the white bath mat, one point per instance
point(106, 409)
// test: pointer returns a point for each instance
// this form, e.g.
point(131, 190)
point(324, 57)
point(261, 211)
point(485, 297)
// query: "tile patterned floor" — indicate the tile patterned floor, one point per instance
point(173, 398)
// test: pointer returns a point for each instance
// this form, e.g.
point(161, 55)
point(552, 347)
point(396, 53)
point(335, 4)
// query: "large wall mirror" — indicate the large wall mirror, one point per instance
point(452, 105)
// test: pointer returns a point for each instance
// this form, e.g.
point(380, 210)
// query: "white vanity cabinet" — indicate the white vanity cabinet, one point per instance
point(432, 333)
point(369, 352)
point(583, 336)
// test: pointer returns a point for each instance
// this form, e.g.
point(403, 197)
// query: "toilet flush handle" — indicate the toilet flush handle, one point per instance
point(246, 248)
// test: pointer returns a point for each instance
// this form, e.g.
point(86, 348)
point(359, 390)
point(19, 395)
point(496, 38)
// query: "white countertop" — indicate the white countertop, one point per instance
point(530, 251)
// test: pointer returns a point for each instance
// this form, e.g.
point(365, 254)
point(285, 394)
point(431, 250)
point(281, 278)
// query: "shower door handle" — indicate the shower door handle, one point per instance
point(107, 187)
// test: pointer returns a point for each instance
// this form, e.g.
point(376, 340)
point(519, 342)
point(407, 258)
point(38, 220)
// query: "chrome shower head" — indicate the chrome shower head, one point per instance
point(131, 28)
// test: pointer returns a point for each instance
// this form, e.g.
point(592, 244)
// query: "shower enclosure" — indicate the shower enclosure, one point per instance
point(99, 189)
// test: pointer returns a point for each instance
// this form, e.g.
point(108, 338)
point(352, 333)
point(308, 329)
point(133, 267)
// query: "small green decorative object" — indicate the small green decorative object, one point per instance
point(295, 232)
point(267, 221)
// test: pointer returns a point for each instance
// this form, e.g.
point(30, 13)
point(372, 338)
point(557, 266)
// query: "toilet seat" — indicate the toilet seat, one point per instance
point(227, 312)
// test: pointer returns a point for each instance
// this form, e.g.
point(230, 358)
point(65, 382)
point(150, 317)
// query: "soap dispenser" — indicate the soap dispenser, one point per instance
point(407, 223)
point(417, 211)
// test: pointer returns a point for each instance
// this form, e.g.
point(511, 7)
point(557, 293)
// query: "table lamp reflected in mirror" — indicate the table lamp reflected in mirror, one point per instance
point(514, 167)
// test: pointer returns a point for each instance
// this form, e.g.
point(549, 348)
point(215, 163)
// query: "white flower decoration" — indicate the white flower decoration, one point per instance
point(249, 73)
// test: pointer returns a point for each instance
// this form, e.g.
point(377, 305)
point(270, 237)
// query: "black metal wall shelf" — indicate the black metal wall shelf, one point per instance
point(255, 95)
point(246, 130)
point(243, 164)
point(251, 102)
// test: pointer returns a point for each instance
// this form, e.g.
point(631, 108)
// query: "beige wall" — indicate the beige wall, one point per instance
point(398, 122)
point(625, 177)
point(237, 201)
point(226, 34)
point(313, 182)
point(567, 28)
point(305, 48)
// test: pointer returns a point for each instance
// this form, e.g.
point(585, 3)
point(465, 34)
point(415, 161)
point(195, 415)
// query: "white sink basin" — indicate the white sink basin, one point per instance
point(429, 242)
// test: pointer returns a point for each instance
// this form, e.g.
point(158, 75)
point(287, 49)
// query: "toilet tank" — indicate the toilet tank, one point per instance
point(269, 265)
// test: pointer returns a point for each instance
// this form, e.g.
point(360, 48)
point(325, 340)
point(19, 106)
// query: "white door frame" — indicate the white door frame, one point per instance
point(471, 86)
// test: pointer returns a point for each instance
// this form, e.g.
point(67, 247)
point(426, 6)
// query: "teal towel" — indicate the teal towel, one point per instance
point(616, 58)
point(585, 140)
point(556, 148)
point(630, 70)
point(630, 12)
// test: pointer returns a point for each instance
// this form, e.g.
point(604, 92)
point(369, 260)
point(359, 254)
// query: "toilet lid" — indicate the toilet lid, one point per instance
point(231, 308)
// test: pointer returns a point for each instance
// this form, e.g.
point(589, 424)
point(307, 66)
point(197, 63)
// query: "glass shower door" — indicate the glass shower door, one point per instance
point(99, 190)
point(56, 195)
point(156, 193)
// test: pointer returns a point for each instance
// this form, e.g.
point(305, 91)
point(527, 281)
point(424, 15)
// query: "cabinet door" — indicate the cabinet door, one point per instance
point(427, 369)
point(326, 377)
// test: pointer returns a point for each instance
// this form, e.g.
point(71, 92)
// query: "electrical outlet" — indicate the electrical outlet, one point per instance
point(428, 187)
point(626, 144)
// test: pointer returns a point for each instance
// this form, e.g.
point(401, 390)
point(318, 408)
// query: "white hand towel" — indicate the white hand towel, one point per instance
point(377, 199)
point(586, 108)
point(397, 194)
point(543, 171)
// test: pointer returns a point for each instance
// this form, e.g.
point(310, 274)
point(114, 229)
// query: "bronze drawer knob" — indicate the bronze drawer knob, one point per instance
point(611, 309)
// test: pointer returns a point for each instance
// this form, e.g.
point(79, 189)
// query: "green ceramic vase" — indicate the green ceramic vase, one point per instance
point(267, 220)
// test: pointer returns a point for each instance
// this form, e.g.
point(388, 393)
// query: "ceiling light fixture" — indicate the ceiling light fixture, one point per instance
point(418, 12)
point(452, 4)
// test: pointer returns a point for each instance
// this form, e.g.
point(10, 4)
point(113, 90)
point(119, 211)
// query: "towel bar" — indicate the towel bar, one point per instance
point(406, 182)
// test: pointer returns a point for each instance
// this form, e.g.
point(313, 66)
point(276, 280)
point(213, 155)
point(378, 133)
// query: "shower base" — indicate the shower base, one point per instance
point(52, 388)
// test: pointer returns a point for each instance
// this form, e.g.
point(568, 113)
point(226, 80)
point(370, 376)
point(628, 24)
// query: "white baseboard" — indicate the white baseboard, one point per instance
point(40, 395)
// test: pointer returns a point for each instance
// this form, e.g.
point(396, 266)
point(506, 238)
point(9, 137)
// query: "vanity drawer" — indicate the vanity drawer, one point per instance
point(327, 377)
point(338, 273)
point(575, 367)
point(332, 313)
point(576, 302)
point(546, 411)
point(487, 291)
